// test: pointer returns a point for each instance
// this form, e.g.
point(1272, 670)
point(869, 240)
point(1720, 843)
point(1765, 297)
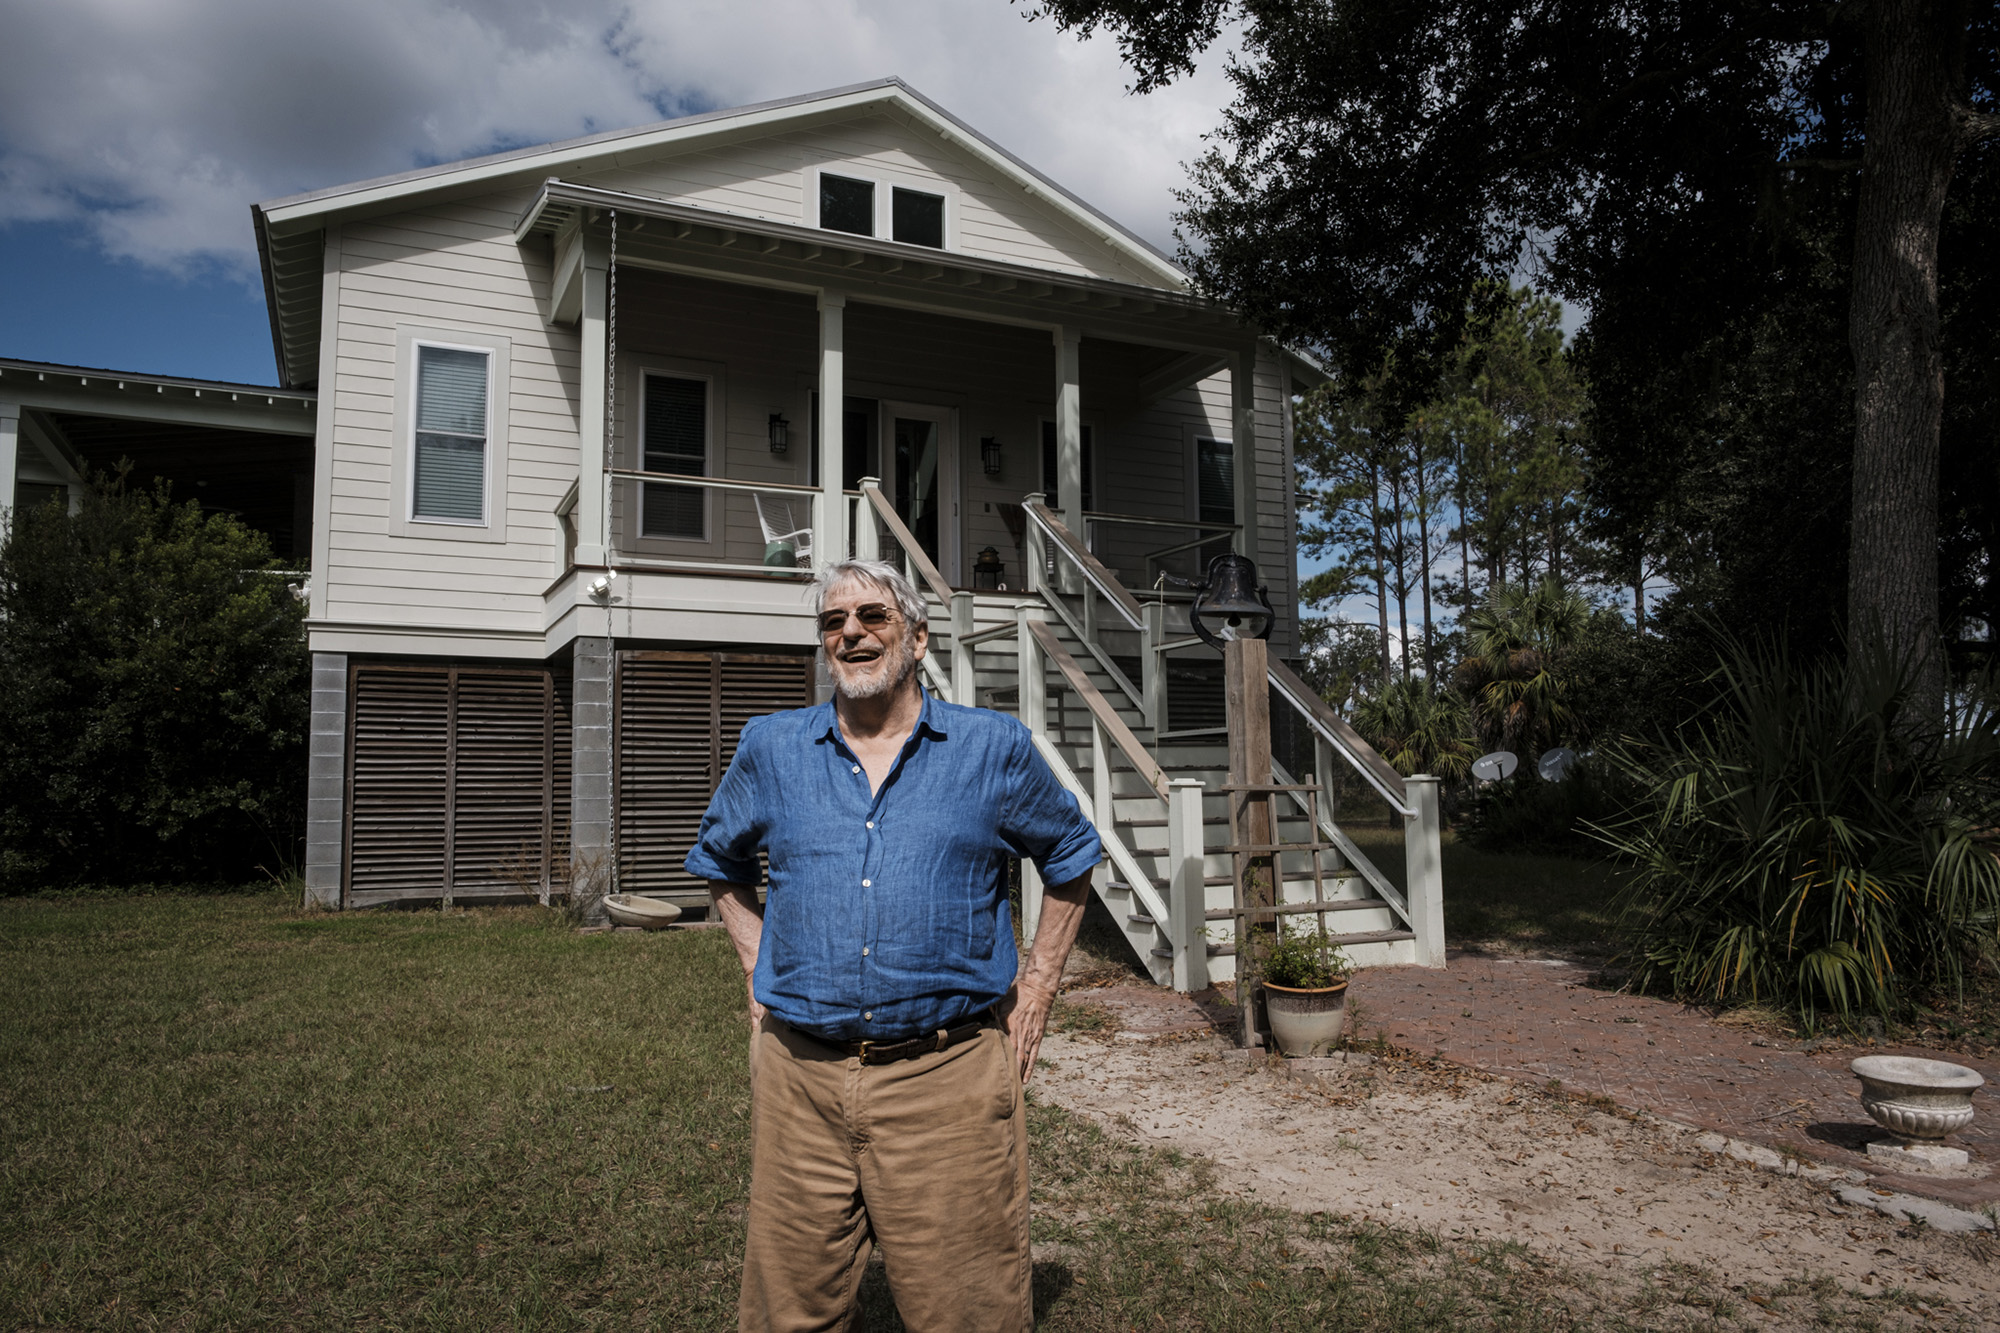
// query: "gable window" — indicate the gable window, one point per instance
point(918, 218)
point(452, 417)
point(1215, 469)
point(1050, 473)
point(674, 438)
point(846, 204)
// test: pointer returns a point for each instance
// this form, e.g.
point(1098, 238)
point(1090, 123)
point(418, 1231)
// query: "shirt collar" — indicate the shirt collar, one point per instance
point(930, 722)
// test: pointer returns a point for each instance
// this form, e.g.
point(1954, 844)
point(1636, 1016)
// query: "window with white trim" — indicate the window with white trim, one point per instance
point(453, 421)
point(846, 204)
point(673, 434)
point(917, 217)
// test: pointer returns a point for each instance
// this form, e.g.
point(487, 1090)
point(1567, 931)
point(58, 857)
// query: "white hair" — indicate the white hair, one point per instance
point(880, 573)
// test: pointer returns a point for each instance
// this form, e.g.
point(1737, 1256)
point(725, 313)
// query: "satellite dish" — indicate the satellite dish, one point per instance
point(1495, 766)
point(1556, 764)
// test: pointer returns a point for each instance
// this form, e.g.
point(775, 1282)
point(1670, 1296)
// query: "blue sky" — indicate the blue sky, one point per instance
point(134, 135)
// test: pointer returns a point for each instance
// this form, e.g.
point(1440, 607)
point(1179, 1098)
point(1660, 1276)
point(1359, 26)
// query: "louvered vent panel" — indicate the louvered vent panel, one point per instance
point(679, 718)
point(399, 783)
point(500, 798)
point(559, 779)
point(666, 765)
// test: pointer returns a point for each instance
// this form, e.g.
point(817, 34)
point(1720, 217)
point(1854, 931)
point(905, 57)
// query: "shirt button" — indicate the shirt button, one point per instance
point(871, 823)
point(867, 883)
point(864, 951)
point(857, 768)
point(868, 1017)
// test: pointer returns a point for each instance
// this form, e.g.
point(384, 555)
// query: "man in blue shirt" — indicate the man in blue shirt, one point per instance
point(891, 1034)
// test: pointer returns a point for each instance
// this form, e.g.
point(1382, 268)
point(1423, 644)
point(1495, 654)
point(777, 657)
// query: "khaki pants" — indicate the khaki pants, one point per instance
point(927, 1156)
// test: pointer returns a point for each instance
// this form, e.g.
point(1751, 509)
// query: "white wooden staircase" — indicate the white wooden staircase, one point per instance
point(1062, 657)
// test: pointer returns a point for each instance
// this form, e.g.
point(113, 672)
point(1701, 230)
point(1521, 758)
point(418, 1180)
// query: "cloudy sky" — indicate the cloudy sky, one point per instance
point(134, 134)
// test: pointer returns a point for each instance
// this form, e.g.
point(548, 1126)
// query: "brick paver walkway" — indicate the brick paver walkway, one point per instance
point(1538, 1020)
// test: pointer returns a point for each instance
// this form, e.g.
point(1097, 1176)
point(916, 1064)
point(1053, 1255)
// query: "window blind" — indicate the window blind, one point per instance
point(675, 434)
point(1215, 462)
point(451, 434)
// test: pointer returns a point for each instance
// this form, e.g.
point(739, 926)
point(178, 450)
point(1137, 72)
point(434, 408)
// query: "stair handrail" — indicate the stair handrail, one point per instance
point(1100, 708)
point(1365, 758)
point(1106, 582)
point(907, 540)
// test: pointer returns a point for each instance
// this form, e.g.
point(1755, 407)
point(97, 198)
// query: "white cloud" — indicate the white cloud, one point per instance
point(155, 123)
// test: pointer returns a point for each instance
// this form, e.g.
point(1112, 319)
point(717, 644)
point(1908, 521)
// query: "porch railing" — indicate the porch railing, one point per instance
point(755, 528)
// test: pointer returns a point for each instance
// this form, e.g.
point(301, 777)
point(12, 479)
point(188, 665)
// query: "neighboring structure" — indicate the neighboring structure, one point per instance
point(591, 410)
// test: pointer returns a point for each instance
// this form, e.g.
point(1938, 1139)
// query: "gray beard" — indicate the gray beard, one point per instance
point(902, 664)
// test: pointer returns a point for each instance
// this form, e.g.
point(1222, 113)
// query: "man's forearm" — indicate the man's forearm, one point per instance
point(742, 917)
point(1062, 914)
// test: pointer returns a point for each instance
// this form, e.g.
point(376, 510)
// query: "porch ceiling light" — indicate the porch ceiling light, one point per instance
point(989, 454)
point(781, 433)
point(1229, 604)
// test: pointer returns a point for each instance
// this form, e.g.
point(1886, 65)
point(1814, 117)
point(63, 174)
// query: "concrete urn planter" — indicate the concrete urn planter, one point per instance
point(1919, 1101)
point(629, 909)
point(1306, 1022)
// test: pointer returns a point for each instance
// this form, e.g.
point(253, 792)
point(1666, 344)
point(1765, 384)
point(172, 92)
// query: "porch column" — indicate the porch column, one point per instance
point(1243, 447)
point(593, 491)
point(592, 849)
point(10, 455)
point(1069, 432)
point(830, 540)
point(326, 781)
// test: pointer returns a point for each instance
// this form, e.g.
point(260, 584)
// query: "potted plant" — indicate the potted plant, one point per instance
point(1305, 990)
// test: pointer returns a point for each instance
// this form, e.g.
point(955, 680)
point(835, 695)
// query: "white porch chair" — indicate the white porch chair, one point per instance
point(787, 542)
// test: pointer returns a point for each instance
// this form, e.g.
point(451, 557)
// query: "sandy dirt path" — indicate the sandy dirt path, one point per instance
point(1424, 1143)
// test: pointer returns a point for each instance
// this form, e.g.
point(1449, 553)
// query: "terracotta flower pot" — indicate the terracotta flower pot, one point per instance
point(1306, 1022)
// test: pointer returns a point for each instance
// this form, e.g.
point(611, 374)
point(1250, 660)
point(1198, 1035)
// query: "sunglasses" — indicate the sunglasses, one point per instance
point(871, 618)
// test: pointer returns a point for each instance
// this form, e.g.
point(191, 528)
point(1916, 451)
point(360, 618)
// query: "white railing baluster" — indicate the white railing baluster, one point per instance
point(1100, 775)
point(1153, 668)
point(1424, 869)
point(964, 685)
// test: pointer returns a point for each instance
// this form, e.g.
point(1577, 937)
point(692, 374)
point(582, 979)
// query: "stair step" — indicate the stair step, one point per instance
point(1304, 909)
point(1364, 937)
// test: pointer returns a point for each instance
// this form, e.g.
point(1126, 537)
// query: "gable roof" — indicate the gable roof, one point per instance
point(289, 229)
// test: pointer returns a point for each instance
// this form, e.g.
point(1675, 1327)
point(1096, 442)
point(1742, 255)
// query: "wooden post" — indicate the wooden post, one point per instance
point(1035, 716)
point(1247, 693)
point(830, 542)
point(1424, 869)
point(1034, 554)
point(1187, 893)
point(964, 685)
point(592, 517)
point(867, 536)
point(1153, 668)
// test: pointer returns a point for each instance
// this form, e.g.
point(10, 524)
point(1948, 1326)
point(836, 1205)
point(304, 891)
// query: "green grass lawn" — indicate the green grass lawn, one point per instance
point(221, 1112)
point(1508, 901)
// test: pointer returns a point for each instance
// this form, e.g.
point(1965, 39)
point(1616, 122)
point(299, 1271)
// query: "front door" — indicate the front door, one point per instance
point(922, 447)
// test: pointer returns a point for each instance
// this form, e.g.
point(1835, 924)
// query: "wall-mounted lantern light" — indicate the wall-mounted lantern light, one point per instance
point(989, 454)
point(781, 433)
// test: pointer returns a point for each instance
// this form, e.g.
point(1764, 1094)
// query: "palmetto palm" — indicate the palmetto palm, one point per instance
point(1513, 673)
point(1419, 731)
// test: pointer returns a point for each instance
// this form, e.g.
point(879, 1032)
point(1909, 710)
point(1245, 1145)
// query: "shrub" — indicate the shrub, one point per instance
point(1525, 814)
point(1806, 841)
point(1418, 730)
point(153, 696)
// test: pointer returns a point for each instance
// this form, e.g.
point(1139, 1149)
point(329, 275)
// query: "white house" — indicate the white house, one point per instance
point(588, 412)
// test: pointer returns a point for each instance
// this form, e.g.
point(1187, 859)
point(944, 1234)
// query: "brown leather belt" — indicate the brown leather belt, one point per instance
point(873, 1052)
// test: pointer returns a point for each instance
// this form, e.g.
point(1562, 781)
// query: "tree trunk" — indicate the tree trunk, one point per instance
point(1424, 566)
point(1639, 597)
point(1914, 66)
point(1464, 534)
point(1381, 558)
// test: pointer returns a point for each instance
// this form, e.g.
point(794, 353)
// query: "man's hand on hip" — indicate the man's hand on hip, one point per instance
point(1025, 1014)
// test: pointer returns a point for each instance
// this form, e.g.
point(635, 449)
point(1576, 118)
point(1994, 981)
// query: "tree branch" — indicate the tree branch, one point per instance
point(1975, 126)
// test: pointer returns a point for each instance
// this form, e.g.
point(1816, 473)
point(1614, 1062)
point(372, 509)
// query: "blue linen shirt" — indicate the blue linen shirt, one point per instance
point(887, 914)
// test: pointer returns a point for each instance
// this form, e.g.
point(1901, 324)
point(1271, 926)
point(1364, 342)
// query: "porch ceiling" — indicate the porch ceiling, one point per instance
point(679, 238)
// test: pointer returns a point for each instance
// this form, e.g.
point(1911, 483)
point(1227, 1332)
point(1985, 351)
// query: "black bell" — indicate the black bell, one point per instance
point(1229, 604)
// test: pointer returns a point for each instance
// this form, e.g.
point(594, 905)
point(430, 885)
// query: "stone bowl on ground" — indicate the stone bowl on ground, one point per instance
point(1916, 1098)
point(630, 909)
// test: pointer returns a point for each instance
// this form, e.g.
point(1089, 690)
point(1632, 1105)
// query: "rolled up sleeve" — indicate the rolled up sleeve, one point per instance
point(1044, 822)
point(733, 829)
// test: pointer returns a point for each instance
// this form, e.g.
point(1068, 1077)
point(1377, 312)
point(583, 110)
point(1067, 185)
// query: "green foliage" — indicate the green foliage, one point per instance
point(1304, 959)
point(1513, 673)
point(153, 696)
point(1526, 814)
point(1805, 841)
point(1418, 729)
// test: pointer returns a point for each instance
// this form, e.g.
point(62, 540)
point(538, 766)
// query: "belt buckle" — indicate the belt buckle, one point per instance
point(861, 1052)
